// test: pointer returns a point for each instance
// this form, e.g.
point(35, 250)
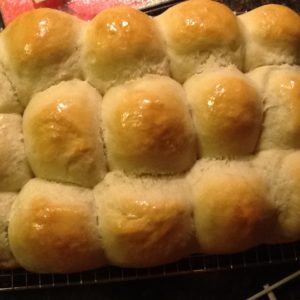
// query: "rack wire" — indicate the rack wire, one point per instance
point(238, 6)
point(261, 256)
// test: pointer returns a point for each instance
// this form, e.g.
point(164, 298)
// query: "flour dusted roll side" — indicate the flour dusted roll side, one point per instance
point(40, 48)
point(227, 112)
point(272, 36)
point(122, 43)
point(53, 228)
point(231, 207)
point(14, 168)
point(284, 178)
point(280, 90)
point(148, 128)
point(200, 35)
point(144, 221)
point(62, 134)
point(6, 258)
point(8, 98)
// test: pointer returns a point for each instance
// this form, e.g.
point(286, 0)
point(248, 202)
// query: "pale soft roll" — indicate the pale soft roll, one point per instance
point(14, 169)
point(122, 43)
point(227, 112)
point(62, 134)
point(231, 209)
point(200, 34)
point(40, 48)
point(272, 36)
point(53, 228)
point(144, 222)
point(148, 128)
point(6, 258)
point(8, 96)
point(280, 90)
point(282, 170)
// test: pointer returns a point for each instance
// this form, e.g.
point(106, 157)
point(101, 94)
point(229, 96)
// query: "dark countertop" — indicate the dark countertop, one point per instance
point(237, 284)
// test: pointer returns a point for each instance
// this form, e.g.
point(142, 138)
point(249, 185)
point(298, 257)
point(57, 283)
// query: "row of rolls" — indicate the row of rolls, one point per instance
point(219, 207)
point(149, 126)
point(43, 47)
point(135, 141)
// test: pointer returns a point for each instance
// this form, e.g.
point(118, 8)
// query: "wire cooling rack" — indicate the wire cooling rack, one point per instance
point(239, 6)
point(258, 257)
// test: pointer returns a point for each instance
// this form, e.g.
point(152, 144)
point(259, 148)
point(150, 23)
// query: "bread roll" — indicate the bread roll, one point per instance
point(6, 258)
point(227, 113)
point(148, 128)
point(62, 134)
point(40, 48)
point(272, 36)
point(284, 178)
point(144, 222)
point(268, 162)
point(231, 209)
point(122, 43)
point(280, 89)
point(8, 98)
point(53, 228)
point(14, 169)
point(200, 35)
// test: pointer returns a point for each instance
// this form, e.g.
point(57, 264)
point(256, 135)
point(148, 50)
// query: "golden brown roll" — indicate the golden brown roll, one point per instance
point(53, 228)
point(231, 209)
point(40, 48)
point(148, 128)
point(14, 169)
point(272, 36)
point(8, 98)
point(122, 43)
point(227, 112)
point(280, 89)
point(62, 134)
point(144, 222)
point(200, 35)
point(6, 258)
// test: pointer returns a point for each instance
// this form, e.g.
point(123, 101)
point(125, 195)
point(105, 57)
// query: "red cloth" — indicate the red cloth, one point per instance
point(11, 8)
point(84, 9)
point(50, 3)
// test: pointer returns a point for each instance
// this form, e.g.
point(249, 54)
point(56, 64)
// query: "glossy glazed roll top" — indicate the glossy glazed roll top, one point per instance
point(148, 128)
point(62, 134)
point(120, 44)
point(41, 48)
point(200, 35)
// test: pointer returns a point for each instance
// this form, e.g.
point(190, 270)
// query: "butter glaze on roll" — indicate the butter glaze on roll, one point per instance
point(41, 48)
point(148, 128)
point(231, 209)
point(227, 113)
point(272, 36)
point(14, 169)
point(53, 228)
point(200, 34)
point(122, 43)
point(280, 90)
point(144, 221)
point(62, 134)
